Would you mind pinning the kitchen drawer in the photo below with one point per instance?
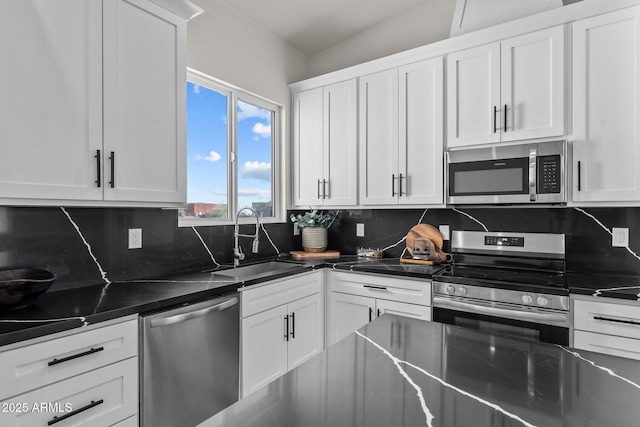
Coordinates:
(607, 344)
(110, 395)
(272, 294)
(607, 318)
(129, 422)
(32, 366)
(413, 291)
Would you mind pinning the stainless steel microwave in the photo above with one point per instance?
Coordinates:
(508, 174)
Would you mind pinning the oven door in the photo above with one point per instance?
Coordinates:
(503, 319)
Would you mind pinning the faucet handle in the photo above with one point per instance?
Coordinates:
(254, 248)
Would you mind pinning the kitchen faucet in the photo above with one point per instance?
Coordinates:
(238, 255)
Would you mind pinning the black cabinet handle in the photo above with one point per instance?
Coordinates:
(112, 157)
(98, 173)
(505, 117)
(318, 189)
(370, 314)
(293, 326)
(76, 412)
(379, 312)
(495, 119)
(286, 328)
(75, 356)
(626, 322)
(324, 188)
(376, 288)
(400, 185)
(579, 176)
(393, 185)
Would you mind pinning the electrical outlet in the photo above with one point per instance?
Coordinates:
(359, 230)
(296, 230)
(620, 237)
(444, 230)
(135, 238)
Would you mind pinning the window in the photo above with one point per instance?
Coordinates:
(232, 141)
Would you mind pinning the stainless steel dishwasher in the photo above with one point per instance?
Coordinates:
(189, 362)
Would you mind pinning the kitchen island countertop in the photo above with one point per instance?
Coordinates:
(404, 372)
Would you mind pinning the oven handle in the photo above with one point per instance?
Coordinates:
(440, 302)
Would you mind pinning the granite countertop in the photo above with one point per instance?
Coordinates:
(73, 308)
(605, 285)
(404, 372)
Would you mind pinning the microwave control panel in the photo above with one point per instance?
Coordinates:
(549, 173)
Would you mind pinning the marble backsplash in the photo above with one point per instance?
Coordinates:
(86, 246)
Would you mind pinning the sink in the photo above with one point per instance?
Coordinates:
(254, 271)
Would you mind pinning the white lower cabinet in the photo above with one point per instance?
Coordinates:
(607, 326)
(85, 378)
(282, 326)
(356, 299)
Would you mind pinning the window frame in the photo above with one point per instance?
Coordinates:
(235, 94)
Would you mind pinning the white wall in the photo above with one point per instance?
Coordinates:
(225, 45)
(425, 23)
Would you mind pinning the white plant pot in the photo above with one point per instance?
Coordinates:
(314, 239)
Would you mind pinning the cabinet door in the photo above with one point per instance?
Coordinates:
(379, 138)
(473, 96)
(264, 348)
(51, 102)
(308, 147)
(606, 101)
(144, 103)
(340, 144)
(348, 313)
(421, 132)
(306, 329)
(403, 309)
(532, 91)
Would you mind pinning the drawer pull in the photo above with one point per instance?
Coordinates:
(76, 412)
(607, 319)
(376, 288)
(75, 356)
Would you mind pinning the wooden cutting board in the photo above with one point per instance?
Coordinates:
(312, 255)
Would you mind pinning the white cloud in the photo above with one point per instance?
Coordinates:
(196, 89)
(212, 157)
(262, 130)
(257, 170)
(246, 111)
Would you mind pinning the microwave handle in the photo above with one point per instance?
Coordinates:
(533, 157)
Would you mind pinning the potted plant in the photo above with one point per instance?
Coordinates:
(314, 227)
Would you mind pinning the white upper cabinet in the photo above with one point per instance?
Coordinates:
(421, 127)
(379, 138)
(606, 102)
(144, 102)
(51, 103)
(507, 91)
(93, 105)
(401, 135)
(325, 145)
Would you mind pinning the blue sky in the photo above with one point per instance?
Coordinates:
(207, 158)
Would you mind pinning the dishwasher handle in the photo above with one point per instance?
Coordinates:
(155, 323)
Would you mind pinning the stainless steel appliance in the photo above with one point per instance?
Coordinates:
(190, 362)
(508, 174)
(506, 283)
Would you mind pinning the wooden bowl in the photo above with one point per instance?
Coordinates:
(22, 286)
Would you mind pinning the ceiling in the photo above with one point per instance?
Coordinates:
(315, 25)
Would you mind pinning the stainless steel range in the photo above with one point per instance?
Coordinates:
(506, 283)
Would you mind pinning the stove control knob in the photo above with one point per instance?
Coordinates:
(527, 299)
(450, 290)
(542, 301)
(462, 290)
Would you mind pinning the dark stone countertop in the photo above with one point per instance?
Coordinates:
(605, 285)
(74, 308)
(404, 372)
